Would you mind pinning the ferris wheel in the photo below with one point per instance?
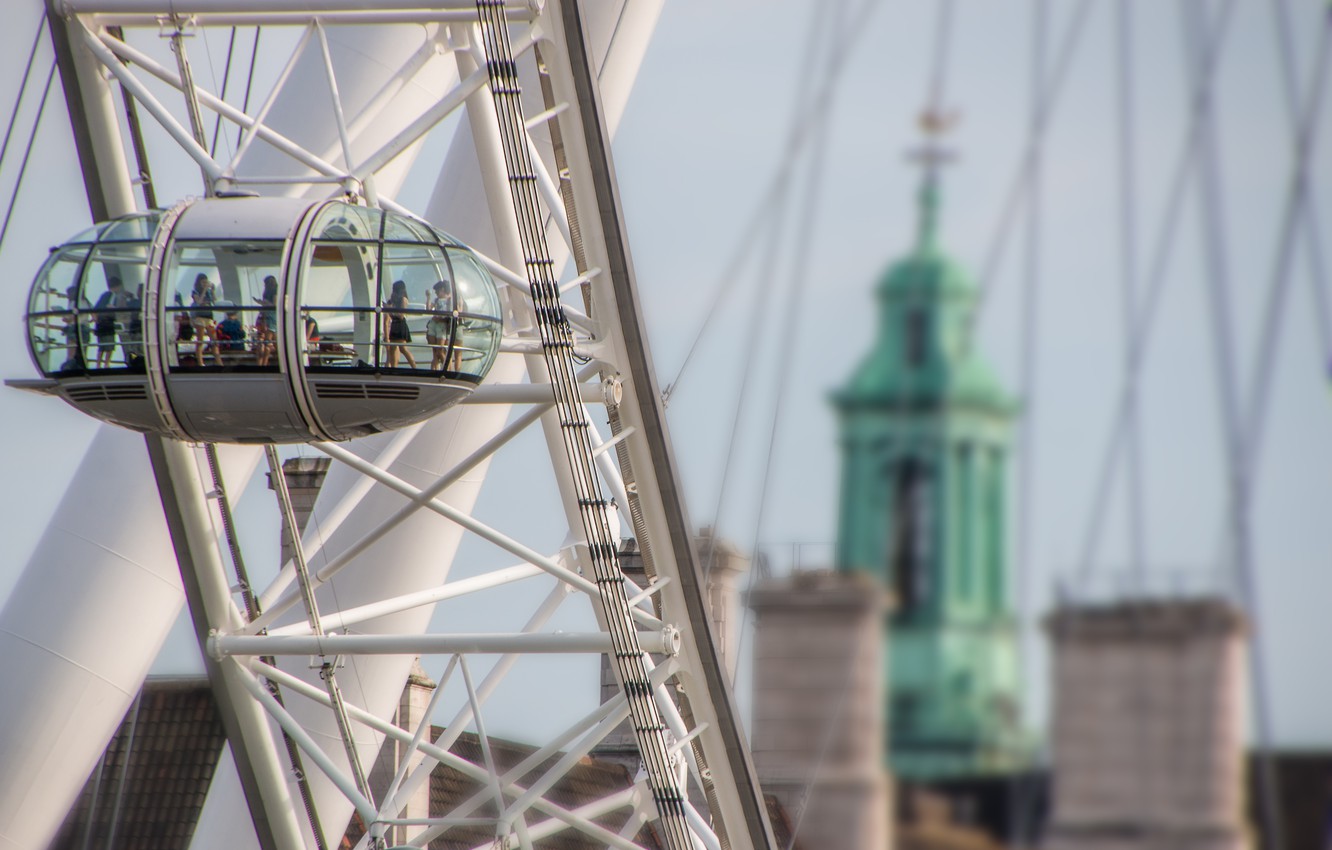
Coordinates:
(290, 305)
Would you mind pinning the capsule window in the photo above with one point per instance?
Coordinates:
(407, 290)
(57, 326)
(346, 223)
(223, 307)
(139, 228)
(338, 304)
(479, 316)
(402, 229)
(113, 283)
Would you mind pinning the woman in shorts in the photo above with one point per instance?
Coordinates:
(396, 332)
(265, 327)
(202, 297)
(440, 326)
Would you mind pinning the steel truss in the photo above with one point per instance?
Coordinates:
(563, 138)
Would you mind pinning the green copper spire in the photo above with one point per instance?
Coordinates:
(927, 230)
(925, 431)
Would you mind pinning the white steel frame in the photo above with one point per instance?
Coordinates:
(668, 613)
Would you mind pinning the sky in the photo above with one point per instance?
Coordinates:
(701, 140)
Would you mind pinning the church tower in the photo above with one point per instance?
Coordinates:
(924, 433)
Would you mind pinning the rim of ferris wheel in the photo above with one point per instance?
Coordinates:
(249, 319)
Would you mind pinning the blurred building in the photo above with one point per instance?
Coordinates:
(925, 430)
(818, 723)
(1148, 731)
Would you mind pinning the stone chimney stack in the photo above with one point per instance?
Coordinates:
(411, 711)
(818, 722)
(728, 568)
(305, 476)
(1148, 726)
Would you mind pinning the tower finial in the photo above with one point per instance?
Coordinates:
(934, 124)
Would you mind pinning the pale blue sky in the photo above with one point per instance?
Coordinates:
(699, 140)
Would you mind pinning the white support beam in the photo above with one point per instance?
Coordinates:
(274, 606)
(557, 771)
(414, 131)
(451, 733)
(354, 616)
(339, 118)
(411, 756)
(315, 536)
(620, 708)
(507, 276)
(586, 277)
(247, 138)
(480, 529)
(209, 101)
(664, 641)
(155, 107)
(492, 776)
(582, 819)
(308, 746)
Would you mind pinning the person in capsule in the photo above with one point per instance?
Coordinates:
(396, 331)
(203, 297)
(440, 326)
(74, 329)
(265, 327)
(104, 326)
(131, 338)
(230, 331)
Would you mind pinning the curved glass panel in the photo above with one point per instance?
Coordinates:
(446, 239)
(58, 327)
(346, 222)
(407, 289)
(88, 234)
(476, 288)
(56, 286)
(400, 228)
(138, 228)
(221, 309)
(477, 346)
(338, 305)
(479, 328)
(113, 281)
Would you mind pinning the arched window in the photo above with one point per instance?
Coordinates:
(910, 529)
(916, 336)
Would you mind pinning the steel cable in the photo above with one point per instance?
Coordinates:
(1158, 276)
(27, 153)
(1048, 99)
(1298, 209)
(222, 95)
(1128, 253)
(1220, 301)
(22, 89)
(1022, 803)
(1286, 53)
(770, 202)
(776, 220)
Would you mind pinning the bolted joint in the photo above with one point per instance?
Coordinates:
(612, 390)
(671, 639)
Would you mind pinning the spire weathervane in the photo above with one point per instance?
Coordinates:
(934, 123)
